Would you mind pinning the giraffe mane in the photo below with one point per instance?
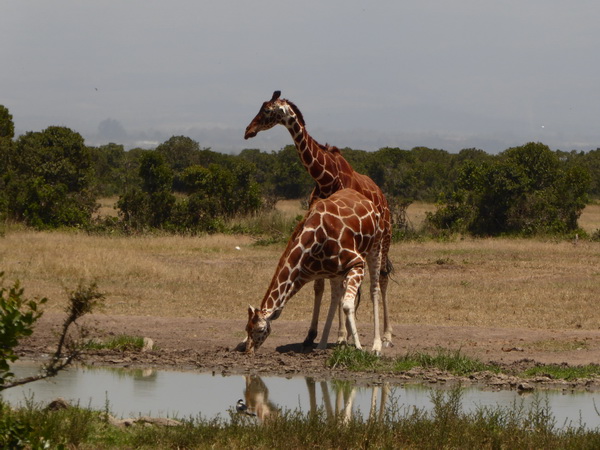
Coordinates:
(326, 147)
(297, 112)
(331, 148)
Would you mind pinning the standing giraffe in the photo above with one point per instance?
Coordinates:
(331, 172)
(337, 239)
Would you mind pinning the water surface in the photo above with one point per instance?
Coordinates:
(164, 393)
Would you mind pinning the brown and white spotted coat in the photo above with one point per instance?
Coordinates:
(339, 238)
(331, 172)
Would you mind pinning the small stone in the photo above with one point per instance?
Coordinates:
(524, 387)
(148, 344)
(58, 404)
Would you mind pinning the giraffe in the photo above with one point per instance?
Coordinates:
(337, 239)
(331, 172)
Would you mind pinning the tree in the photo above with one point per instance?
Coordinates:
(48, 179)
(7, 132)
(526, 190)
(153, 204)
(289, 175)
(7, 127)
(215, 193)
(108, 162)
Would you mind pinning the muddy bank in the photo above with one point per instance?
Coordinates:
(208, 345)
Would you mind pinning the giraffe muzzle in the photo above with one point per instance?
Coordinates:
(249, 134)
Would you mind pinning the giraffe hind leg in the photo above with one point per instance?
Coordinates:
(383, 285)
(319, 288)
(374, 263)
(337, 290)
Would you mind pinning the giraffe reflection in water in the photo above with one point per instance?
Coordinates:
(337, 399)
(345, 394)
(256, 395)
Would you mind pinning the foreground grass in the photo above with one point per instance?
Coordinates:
(445, 426)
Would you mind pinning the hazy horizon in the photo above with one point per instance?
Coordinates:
(449, 75)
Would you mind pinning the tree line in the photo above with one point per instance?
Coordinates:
(51, 178)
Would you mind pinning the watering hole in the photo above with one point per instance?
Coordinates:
(162, 393)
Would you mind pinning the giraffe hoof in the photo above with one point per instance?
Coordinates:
(387, 344)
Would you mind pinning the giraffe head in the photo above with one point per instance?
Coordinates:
(275, 111)
(258, 328)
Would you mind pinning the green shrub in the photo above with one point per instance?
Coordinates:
(526, 190)
(47, 179)
(17, 317)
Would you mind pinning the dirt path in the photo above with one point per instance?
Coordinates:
(207, 345)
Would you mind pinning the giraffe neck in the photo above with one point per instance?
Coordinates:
(288, 277)
(319, 162)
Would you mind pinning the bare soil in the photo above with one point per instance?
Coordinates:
(209, 345)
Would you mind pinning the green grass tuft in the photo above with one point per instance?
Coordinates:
(452, 361)
(120, 342)
(351, 358)
(563, 372)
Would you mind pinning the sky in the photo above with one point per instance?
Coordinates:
(447, 74)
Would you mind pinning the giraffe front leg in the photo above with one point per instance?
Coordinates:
(353, 280)
(319, 288)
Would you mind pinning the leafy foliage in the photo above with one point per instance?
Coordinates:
(7, 126)
(51, 179)
(17, 317)
(526, 190)
(48, 178)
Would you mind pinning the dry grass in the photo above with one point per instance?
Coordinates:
(107, 207)
(590, 218)
(486, 282)
(290, 208)
(416, 213)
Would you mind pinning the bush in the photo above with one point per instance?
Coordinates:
(527, 190)
(17, 317)
(48, 179)
(212, 194)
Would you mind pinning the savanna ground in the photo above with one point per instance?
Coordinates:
(515, 302)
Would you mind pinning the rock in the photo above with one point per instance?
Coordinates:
(148, 344)
(58, 404)
(144, 420)
(524, 387)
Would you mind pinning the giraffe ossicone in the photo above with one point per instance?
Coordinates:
(339, 239)
(331, 172)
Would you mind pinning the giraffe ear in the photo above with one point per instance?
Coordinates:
(276, 95)
(251, 310)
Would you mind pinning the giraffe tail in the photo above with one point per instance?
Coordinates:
(388, 268)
